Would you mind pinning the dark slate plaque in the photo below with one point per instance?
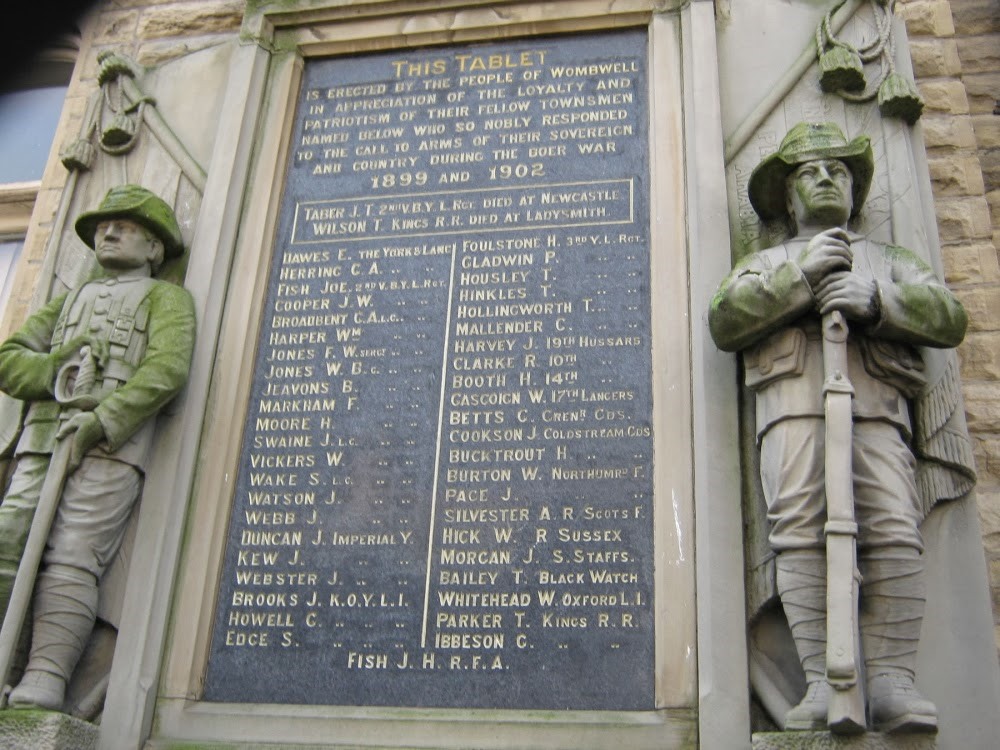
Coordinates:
(445, 490)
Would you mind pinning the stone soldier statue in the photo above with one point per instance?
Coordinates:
(97, 364)
(770, 309)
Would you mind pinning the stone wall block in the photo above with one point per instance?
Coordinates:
(945, 96)
(987, 130)
(963, 219)
(946, 131)
(979, 54)
(158, 52)
(113, 27)
(993, 198)
(926, 17)
(975, 16)
(970, 264)
(962, 264)
(983, 92)
(991, 168)
(982, 407)
(994, 568)
(957, 174)
(981, 453)
(989, 515)
(979, 355)
(982, 303)
(194, 18)
(935, 57)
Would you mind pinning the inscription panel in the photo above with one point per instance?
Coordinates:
(445, 490)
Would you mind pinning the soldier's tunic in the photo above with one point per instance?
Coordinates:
(148, 326)
(766, 308)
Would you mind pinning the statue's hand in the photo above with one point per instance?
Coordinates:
(853, 295)
(84, 430)
(70, 350)
(827, 252)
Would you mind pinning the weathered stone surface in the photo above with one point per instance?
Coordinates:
(982, 406)
(987, 464)
(45, 730)
(930, 17)
(991, 168)
(825, 740)
(181, 19)
(987, 130)
(155, 53)
(980, 356)
(943, 95)
(979, 54)
(111, 28)
(962, 219)
(970, 264)
(989, 518)
(975, 16)
(957, 175)
(983, 91)
(993, 199)
(983, 305)
(948, 132)
(935, 57)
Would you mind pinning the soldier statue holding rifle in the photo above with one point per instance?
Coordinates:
(97, 365)
(830, 315)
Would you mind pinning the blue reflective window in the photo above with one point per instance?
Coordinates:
(9, 250)
(28, 122)
(30, 104)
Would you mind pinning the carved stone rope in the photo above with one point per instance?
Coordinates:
(842, 66)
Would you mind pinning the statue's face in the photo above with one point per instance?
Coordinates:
(819, 193)
(124, 244)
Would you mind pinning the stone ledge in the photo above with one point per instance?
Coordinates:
(26, 729)
(828, 741)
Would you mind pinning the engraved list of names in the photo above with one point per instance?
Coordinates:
(445, 492)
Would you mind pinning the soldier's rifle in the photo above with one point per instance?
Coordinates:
(846, 712)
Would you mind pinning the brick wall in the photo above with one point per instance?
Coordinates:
(956, 58)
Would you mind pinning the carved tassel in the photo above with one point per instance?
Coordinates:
(898, 97)
(77, 156)
(841, 70)
(119, 131)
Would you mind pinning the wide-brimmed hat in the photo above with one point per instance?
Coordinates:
(141, 206)
(809, 141)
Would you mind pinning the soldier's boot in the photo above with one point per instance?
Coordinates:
(801, 579)
(65, 610)
(891, 615)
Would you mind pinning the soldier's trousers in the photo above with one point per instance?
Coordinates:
(793, 476)
(89, 525)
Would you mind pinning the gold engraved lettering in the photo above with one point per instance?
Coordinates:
(527, 59)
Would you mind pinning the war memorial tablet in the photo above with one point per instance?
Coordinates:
(444, 496)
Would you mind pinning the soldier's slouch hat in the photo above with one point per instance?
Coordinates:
(809, 141)
(141, 206)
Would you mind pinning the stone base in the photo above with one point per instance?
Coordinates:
(829, 741)
(32, 729)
